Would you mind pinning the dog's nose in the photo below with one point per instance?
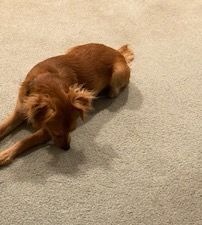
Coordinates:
(66, 147)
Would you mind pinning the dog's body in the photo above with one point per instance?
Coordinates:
(60, 89)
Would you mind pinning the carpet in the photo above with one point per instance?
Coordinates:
(137, 160)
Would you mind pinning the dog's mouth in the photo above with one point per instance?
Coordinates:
(61, 143)
(65, 147)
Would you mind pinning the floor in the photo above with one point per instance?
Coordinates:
(138, 158)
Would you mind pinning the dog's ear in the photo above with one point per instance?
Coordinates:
(39, 108)
(81, 99)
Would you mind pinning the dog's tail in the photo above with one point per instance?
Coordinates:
(127, 53)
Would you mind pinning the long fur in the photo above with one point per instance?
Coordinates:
(59, 90)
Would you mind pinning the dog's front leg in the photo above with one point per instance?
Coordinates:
(39, 137)
(14, 120)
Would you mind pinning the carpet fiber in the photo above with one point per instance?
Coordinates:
(138, 158)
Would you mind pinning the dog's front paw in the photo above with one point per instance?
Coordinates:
(5, 157)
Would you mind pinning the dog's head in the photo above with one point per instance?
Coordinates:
(59, 114)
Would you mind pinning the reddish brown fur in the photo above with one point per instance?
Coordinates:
(60, 89)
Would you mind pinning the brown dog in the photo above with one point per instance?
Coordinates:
(60, 89)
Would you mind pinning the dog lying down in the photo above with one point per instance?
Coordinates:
(59, 90)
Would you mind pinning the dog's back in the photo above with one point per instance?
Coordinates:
(90, 64)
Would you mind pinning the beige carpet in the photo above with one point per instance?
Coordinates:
(138, 159)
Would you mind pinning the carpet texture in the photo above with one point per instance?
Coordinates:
(138, 158)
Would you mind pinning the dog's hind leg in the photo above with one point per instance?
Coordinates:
(14, 120)
(120, 78)
(39, 137)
